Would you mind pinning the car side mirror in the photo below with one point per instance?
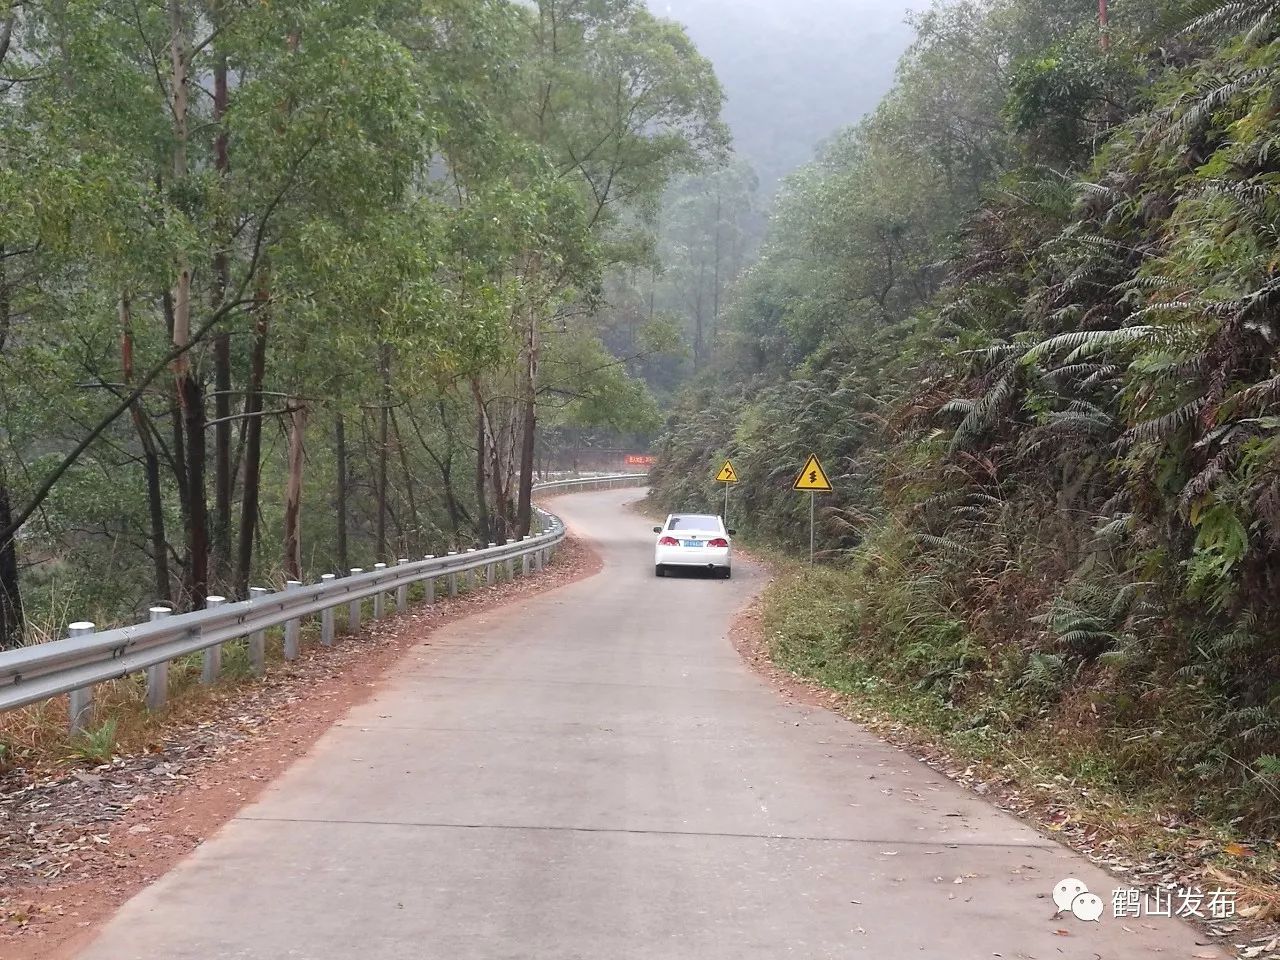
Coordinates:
(733, 532)
(657, 529)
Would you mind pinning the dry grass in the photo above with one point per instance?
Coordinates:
(37, 738)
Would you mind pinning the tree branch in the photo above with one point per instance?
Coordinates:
(56, 474)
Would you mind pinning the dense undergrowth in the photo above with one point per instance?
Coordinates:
(1038, 715)
(1030, 325)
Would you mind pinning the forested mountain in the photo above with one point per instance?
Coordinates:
(794, 75)
(795, 71)
(291, 287)
(1026, 313)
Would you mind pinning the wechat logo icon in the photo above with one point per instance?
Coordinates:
(1071, 894)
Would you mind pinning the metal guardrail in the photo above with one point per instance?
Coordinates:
(73, 665)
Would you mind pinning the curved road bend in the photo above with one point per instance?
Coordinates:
(595, 774)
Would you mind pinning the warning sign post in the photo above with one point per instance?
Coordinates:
(814, 480)
(728, 476)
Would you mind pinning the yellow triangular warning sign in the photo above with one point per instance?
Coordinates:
(812, 477)
(727, 474)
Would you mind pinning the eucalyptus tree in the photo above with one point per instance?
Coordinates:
(619, 102)
(154, 209)
(224, 223)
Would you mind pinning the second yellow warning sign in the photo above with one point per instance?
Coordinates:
(812, 477)
(727, 474)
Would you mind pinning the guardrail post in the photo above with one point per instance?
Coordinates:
(379, 598)
(511, 569)
(402, 591)
(453, 578)
(430, 583)
(258, 639)
(326, 615)
(212, 655)
(157, 673)
(353, 609)
(488, 570)
(292, 628)
(524, 561)
(81, 705)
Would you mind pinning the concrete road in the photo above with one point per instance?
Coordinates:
(596, 775)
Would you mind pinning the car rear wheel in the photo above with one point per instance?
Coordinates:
(659, 570)
(726, 573)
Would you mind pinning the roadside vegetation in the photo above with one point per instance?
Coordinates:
(1027, 315)
(287, 288)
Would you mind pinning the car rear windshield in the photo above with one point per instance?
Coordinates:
(694, 522)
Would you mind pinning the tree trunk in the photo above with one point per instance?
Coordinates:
(12, 625)
(179, 453)
(528, 447)
(293, 490)
(222, 462)
(155, 507)
(482, 494)
(501, 521)
(384, 416)
(187, 388)
(253, 445)
(340, 446)
(498, 517)
(191, 402)
(150, 461)
(415, 531)
(451, 504)
(222, 474)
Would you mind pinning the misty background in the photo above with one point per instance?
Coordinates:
(795, 71)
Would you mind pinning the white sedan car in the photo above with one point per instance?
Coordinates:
(694, 541)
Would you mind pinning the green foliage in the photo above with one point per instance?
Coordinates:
(1034, 336)
(394, 220)
(96, 745)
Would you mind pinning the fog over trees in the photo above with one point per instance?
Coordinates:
(795, 71)
(794, 76)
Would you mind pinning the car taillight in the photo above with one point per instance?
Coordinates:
(668, 542)
(718, 542)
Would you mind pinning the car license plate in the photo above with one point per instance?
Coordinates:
(691, 543)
